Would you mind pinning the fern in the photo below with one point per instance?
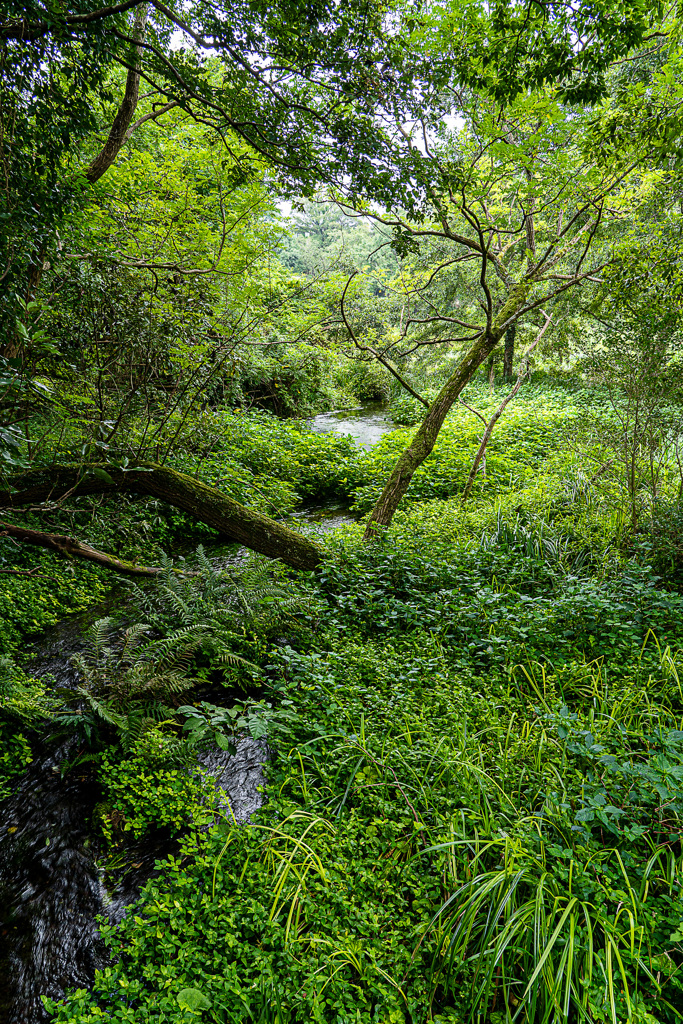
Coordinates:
(212, 596)
(102, 709)
(129, 678)
(127, 681)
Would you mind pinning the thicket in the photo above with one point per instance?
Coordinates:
(475, 728)
(473, 805)
(472, 714)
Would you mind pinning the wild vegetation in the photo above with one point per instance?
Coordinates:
(218, 223)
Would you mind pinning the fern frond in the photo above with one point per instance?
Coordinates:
(205, 566)
(101, 709)
(132, 638)
(166, 684)
(176, 601)
(99, 634)
(85, 758)
(170, 650)
(228, 657)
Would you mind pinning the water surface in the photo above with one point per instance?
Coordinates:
(365, 424)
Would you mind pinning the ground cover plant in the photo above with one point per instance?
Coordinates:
(458, 652)
(472, 813)
(474, 792)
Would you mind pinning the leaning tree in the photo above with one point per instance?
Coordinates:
(463, 118)
(519, 194)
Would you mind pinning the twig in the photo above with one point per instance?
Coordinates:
(31, 573)
(523, 371)
(380, 358)
(603, 469)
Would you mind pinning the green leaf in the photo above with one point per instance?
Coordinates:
(258, 727)
(101, 474)
(224, 743)
(193, 999)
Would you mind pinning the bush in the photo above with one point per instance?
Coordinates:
(468, 777)
(662, 540)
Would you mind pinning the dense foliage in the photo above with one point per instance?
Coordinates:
(474, 786)
(218, 223)
(473, 803)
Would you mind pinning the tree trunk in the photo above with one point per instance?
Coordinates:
(425, 438)
(100, 164)
(491, 373)
(73, 548)
(509, 353)
(119, 129)
(207, 504)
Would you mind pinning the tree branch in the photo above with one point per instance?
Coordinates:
(73, 548)
(26, 31)
(373, 352)
(152, 116)
(120, 128)
(207, 505)
(523, 370)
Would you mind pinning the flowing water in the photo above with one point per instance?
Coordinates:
(51, 886)
(365, 425)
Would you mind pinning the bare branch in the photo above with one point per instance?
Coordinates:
(73, 548)
(523, 371)
(377, 355)
(152, 116)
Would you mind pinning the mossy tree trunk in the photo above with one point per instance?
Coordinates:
(206, 504)
(425, 438)
(509, 353)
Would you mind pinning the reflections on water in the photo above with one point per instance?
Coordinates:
(50, 888)
(366, 424)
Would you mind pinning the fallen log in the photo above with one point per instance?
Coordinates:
(55, 484)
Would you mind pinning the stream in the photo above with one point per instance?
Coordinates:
(51, 886)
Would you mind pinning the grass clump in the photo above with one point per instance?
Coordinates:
(475, 790)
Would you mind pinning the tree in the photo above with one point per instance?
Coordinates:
(361, 102)
(324, 238)
(509, 191)
(49, 81)
(279, 77)
(207, 504)
(509, 353)
(513, 207)
(305, 86)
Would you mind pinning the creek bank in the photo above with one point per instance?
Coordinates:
(51, 885)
